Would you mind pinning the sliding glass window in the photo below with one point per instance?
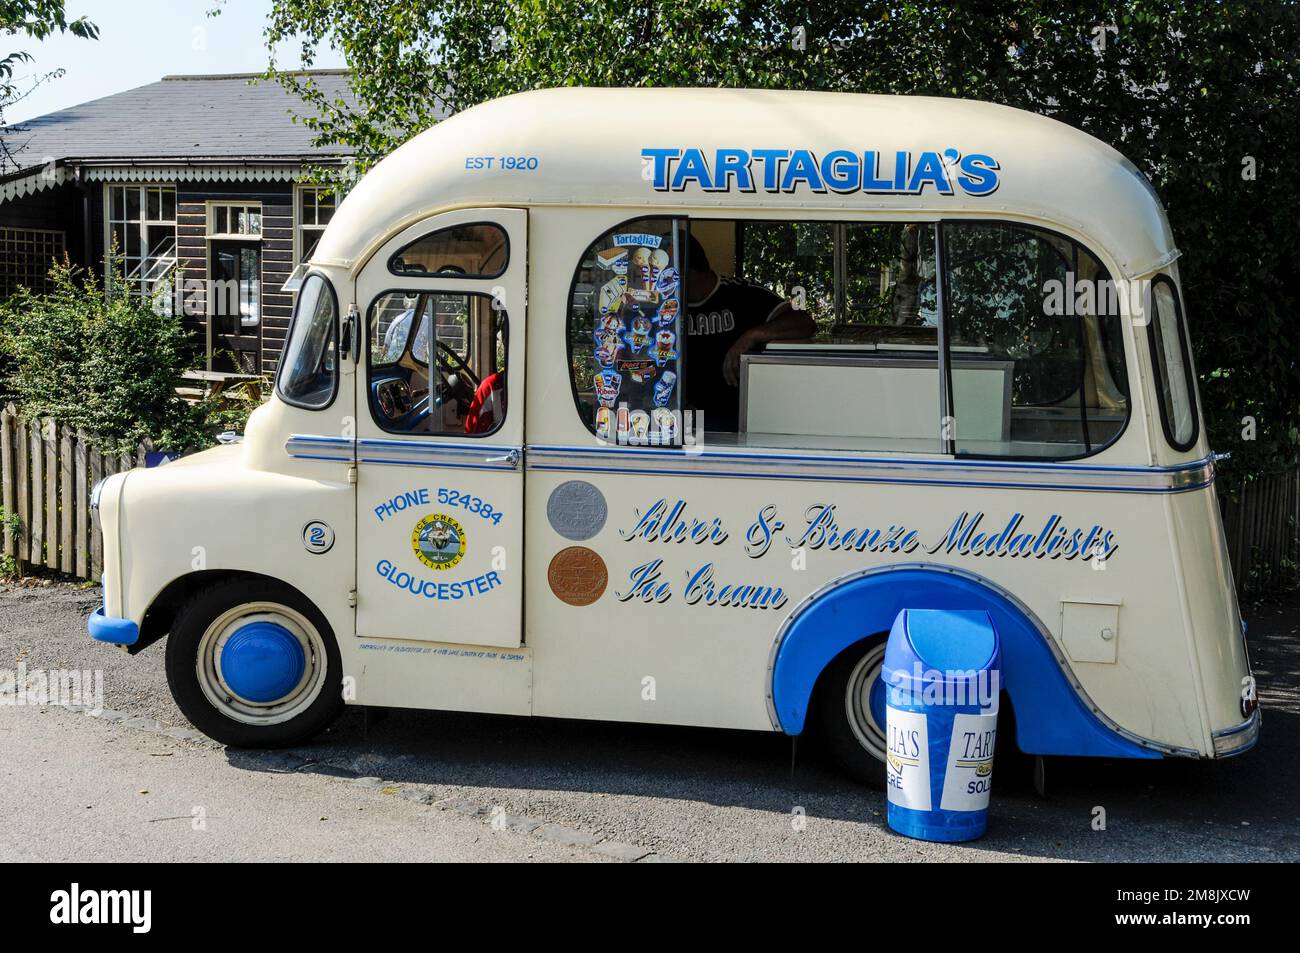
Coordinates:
(1035, 348)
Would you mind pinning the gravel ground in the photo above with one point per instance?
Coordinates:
(426, 784)
(87, 790)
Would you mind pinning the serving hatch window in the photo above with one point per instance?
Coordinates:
(714, 329)
(855, 277)
(834, 335)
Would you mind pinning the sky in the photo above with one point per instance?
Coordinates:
(140, 42)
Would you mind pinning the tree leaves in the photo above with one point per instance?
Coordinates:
(1187, 89)
(35, 19)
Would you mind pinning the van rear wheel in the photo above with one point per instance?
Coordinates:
(253, 664)
(850, 712)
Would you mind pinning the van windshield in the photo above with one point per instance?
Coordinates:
(309, 368)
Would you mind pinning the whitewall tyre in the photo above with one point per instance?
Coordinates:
(253, 664)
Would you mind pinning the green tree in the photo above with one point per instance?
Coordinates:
(34, 19)
(1202, 95)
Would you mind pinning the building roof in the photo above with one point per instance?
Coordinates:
(857, 154)
(187, 118)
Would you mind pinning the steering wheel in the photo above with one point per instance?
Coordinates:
(457, 365)
(462, 391)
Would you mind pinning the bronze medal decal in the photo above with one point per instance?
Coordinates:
(577, 576)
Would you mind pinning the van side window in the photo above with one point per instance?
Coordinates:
(437, 363)
(1044, 310)
(308, 374)
(856, 277)
(865, 376)
(1171, 359)
(813, 381)
(479, 250)
(624, 332)
(826, 336)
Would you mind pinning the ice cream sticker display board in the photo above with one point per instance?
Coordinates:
(633, 350)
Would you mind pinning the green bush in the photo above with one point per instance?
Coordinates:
(230, 411)
(102, 360)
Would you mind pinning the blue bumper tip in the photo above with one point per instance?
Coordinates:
(114, 631)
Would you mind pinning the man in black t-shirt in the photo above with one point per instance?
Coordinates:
(725, 318)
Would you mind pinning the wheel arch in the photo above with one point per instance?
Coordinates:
(1053, 714)
(164, 606)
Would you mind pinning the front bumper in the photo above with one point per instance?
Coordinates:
(114, 631)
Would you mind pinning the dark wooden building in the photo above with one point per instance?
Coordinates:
(199, 182)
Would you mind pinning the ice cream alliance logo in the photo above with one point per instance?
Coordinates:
(438, 541)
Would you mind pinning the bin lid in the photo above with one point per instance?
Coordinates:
(942, 641)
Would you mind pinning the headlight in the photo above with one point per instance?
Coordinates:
(95, 491)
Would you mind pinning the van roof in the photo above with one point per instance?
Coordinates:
(636, 148)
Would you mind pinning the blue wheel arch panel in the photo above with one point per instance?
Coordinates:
(1051, 717)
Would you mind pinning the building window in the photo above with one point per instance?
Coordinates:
(315, 209)
(234, 220)
(25, 258)
(142, 234)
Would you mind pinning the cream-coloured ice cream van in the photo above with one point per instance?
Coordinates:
(659, 405)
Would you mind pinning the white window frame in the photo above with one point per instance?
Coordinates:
(229, 206)
(136, 279)
(300, 225)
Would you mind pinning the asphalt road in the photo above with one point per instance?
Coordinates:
(137, 784)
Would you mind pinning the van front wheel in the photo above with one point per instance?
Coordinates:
(850, 712)
(253, 664)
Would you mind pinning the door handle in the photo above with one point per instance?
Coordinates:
(511, 458)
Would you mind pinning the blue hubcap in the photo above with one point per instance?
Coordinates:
(262, 662)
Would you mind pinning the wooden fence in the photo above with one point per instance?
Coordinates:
(1262, 526)
(46, 473)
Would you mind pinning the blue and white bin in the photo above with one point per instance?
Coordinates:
(942, 675)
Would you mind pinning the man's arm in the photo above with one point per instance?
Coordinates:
(785, 324)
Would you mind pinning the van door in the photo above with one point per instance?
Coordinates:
(440, 430)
